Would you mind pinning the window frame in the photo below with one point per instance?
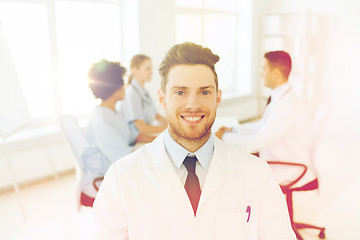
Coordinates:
(237, 13)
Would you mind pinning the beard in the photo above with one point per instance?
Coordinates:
(181, 131)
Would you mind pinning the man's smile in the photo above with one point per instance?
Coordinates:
(193, 119)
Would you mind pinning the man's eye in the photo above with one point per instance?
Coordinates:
(179, 93)
(205, 92)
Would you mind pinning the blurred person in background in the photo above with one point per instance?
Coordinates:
(109, 136)
(138, 106)
(283, 133)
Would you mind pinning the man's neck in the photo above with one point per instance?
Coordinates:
(279, 83)
(192, 145)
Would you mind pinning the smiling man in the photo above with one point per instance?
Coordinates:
(187, 184)
(190, 100)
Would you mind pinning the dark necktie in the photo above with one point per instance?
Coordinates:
(192, 185)
(268, 101)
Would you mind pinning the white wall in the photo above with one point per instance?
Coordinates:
(340, 42)
(157, 35)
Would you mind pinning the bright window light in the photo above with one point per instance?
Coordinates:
(54, 42)
(186, 34)
(226, 5)
(82, 41)
(189, 3)
(224, 27)
(225, 47)
(26, 31)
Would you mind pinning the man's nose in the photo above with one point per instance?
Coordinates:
(193, 102)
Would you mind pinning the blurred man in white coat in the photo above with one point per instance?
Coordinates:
(283, 133)
(187, 184)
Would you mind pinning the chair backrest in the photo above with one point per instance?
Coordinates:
(319, 123)
(73, 134)
(77, 142)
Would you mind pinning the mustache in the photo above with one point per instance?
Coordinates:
(200, 112)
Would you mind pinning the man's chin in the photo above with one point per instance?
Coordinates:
(192, 135)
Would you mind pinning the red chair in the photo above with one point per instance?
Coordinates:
(318, 124)
(288, 190)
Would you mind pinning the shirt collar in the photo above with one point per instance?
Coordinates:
(177, 153)
(280, 90)
(138, 88)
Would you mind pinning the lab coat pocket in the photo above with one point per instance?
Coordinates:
(232, 226)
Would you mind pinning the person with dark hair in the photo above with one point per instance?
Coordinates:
(138, 106)
(187, 184)
(108, 135)
(283, 133)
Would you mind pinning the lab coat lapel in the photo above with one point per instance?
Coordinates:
(160, 165)
(221, 166)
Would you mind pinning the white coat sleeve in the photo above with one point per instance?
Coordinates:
(110, 219)
(279, 124)
(274, 218)
(247, 128)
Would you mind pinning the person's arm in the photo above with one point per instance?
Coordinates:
(143, 138)
(145, 128)
(219, 133)
(161, 120)
(279, 124)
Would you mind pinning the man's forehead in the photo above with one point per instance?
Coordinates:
(184, 73)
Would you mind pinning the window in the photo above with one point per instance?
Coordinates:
(54, 42)
(224, 27)
(294, 32)
(81, 42)
(26, 31)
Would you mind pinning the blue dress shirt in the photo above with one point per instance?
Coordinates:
(177, 154)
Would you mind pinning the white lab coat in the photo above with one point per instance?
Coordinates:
(283, 134)
(142, 198)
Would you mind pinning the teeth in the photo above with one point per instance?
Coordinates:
(192, 119)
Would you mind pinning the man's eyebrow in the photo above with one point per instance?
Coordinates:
(210, 86)
(184, 88)
(178, 87)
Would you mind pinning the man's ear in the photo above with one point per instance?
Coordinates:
(277, 73)
(218, 97)
(161, 97)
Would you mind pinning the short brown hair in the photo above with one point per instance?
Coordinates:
(188, 54)
(280, 60)
(105, 78)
